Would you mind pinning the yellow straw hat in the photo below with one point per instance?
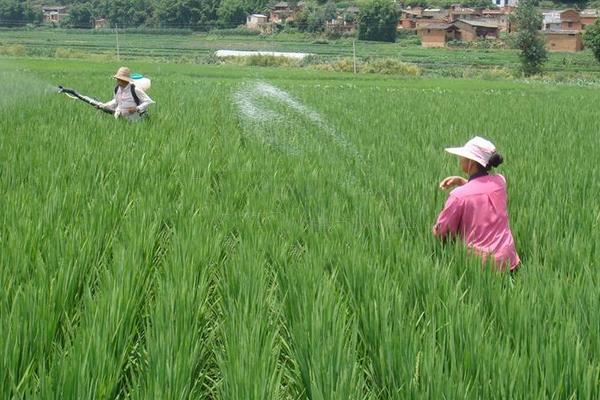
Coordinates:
(123, 74)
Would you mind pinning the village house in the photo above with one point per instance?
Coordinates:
(256, 21)
(433, 16)
(344, 22)
(570, 20)
(280, 13)
(101, 23)
(563, 29)
(505, 3)
(588, 17)
(565, 41)
(408, 18)
(459, 12)
(54, 14)
(283, 12)
(551, 21)
(472, 30)
(437, 34)
(340, 24)
(501, 17)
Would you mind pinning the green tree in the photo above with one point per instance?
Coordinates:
(591, 38)
(80, 16)
(197, 14)
(232, 13)
(18, 13)
(126, 13)
(377, 21)
(528, 22)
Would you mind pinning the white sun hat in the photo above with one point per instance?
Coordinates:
(477, 149)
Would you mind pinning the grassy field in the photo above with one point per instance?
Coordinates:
(196, 48)
(266, 235)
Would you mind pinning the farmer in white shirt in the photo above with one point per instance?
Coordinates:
(129, 101)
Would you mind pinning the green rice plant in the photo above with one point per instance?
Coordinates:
(192, 255)
(177, 334)
(248, 357)
(95, 361)
(322, 338)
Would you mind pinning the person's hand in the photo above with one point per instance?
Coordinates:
(452, 181)
(131, 110)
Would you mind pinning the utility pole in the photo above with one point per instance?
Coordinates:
(117, 33)
(354, 54)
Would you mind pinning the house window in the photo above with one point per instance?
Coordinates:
(570, 24)
(428, 30)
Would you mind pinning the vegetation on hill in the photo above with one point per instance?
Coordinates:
(592, 39)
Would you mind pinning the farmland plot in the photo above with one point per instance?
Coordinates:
(266, 234)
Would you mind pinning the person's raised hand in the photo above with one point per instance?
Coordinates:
(451, 181)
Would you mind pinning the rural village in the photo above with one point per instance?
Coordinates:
(562, 29)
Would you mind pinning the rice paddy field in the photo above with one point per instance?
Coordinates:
(266, 234)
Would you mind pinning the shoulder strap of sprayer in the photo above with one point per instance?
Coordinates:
(133, 93)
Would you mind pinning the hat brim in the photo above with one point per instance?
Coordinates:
(463, 152)
(123, 78)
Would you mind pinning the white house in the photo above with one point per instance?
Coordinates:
(505, 3)
(551, 20)
(255, 21)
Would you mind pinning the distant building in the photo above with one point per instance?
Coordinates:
(551, 20)
(437, 34)
(408, 18)
(472, 30)
(101, 23)
(433, 16)
(570, 20)
(256, 21)
(54, 14)
(505, 3)
(588, 17)
(282, 12)
(565, 41)
(340, 25)
(498, 16)
(459, 12)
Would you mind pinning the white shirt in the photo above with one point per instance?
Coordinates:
(123, 101)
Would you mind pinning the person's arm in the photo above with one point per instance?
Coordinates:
(145, 100)
(452, 181)
(448, 222)
(110, 105)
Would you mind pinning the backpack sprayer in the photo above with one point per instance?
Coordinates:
(138, 81)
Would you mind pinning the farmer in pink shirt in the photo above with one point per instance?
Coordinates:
(476, 210)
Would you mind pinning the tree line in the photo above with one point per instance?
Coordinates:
(378, 18)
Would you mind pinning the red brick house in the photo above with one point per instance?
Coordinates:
(588, 17)
(565, 41)
(472, 30)
(437, 34)
(570, 20)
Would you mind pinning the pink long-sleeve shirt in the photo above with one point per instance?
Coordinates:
(477, 212)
